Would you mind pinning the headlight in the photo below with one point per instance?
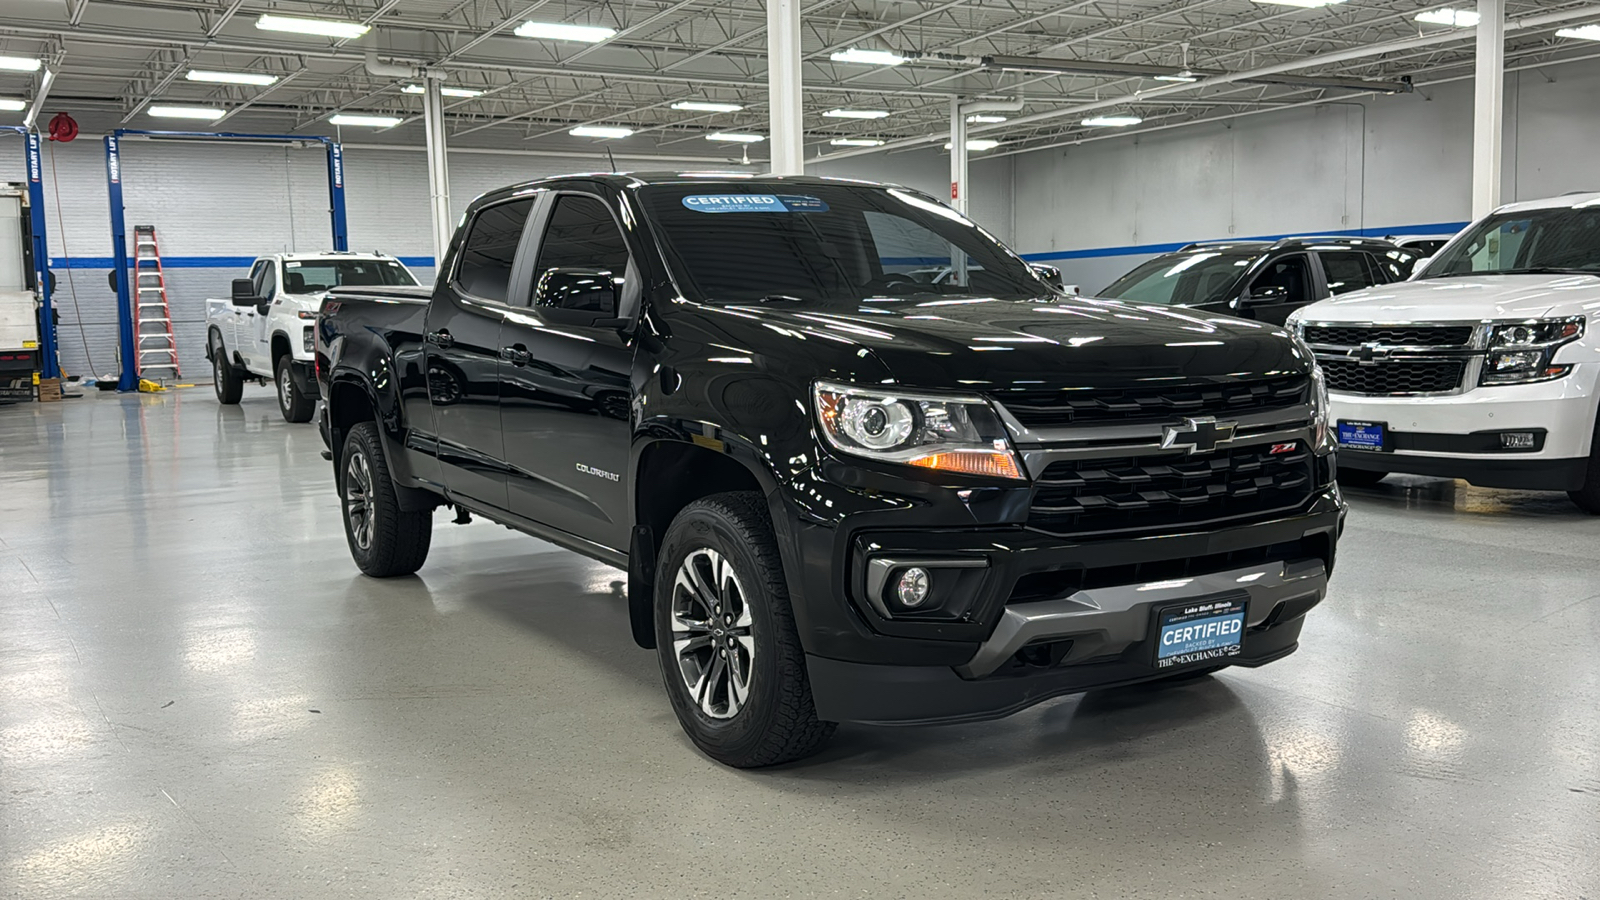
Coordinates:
(1296, 323)
(950, 434)
(1522, 352)
(1319, 411)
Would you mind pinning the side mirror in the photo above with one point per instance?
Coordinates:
(244, 292)
(578, 296)
(1049, 275)
(1262, 296)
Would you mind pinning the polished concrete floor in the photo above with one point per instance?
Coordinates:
(200, 697)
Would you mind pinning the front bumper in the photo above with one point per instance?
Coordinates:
(1456, 436)
(1025, 639)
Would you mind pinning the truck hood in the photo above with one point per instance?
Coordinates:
(981, 344)
(1465, 299)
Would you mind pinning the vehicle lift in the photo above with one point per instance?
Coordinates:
(128, 380)
(49, 364)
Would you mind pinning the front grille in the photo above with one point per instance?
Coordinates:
(1394, 377)
(1169, 490)
(1152, 403)
(1053, 584)
(1390, 335)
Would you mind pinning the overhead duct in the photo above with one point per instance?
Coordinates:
(1175, 73)
(390, 70)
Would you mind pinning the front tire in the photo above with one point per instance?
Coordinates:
(295, 406)
(224, 377)
(726, 639)
(1587, 497)
(385, 541)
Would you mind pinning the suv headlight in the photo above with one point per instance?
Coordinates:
(1322, 441)
(1296, 323)
(949, 434)
(1522, 352)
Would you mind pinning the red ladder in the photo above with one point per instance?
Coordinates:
(155, 346)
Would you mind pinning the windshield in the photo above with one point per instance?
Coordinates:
(1183, 279)
(312, 275)
(1537, 241)
(830, 243)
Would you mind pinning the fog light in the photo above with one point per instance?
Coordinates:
(912, 590)
(1516, 440)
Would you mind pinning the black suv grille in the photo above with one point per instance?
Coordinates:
(1159, 492)
(1390, 335)
(1153, 403)
(1431, 377)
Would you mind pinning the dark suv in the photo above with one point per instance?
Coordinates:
(1263, 280)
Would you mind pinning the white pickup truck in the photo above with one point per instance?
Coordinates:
(264, 330)
(1484, 366)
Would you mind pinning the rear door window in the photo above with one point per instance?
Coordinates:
(484, 270)
(1347, 270)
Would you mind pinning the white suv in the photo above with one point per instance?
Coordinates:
(264, 330)
(1483, 366)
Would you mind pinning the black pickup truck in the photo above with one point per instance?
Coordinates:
(840, 492)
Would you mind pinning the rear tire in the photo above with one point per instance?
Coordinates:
(295, 406)
(726, 639)
(385, 541)
(1360, 477)
(225, 378)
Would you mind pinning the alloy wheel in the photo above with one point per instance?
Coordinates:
(711, 633)
(358, 499)
(285, 386)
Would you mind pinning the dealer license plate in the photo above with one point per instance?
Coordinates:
(1200, 631)
(1362, 435)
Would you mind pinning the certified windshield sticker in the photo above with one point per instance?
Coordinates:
(767, 203)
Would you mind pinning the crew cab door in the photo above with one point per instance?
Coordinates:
(233, 328)
(565, 364)
(462, 352)
(255, 339)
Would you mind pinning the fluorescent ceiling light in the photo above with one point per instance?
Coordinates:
(736, 138)
(19, 63)
(255, 78)
(1185, 79)
(601, 131)
(856, 142)
(187, 112)
(706, 106)
(1460, 18)
(1303, 4)
(986, 120)
(562, 31)
(446, 91)
(9, 105)
(868, 57)
(856, 113)
(1112, 121)
(978, 144)
(1587, 33)
(321, 27)
(365, 121)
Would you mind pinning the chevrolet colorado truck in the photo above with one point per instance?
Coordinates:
(1484, 366)
(840, 493)
(263, 330)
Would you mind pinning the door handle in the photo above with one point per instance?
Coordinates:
(517, 356)
(440, 338)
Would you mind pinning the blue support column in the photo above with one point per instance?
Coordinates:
(129, 379)
(49, 363)
(341, 231)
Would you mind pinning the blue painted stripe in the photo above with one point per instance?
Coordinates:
(194, 262)
(1154, 249)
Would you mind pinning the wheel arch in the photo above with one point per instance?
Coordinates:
(668, 475)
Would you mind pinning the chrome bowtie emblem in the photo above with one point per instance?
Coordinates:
(1201, 435)
(1369, 354)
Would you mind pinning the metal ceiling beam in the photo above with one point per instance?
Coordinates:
(1141, 70)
